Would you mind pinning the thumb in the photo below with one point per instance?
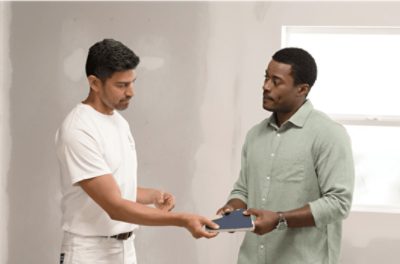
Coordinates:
(210, 223)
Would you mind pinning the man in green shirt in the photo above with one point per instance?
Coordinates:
(297, 172)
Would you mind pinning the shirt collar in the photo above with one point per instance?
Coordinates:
(299, 118)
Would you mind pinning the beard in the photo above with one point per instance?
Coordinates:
(122, 105)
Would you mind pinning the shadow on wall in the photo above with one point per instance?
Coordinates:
(378, 250)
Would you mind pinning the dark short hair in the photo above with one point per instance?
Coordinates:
(304, 68)
(109, 56)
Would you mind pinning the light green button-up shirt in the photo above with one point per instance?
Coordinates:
(308, 160)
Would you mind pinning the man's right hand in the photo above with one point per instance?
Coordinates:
(226, 209)
(232, 205)
(195, 225)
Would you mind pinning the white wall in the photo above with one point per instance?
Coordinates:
(198, 92)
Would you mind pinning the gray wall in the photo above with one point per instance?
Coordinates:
(4, 125)
(198, 92)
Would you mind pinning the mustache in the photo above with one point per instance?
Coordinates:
(265, 96)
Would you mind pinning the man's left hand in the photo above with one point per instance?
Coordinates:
(164, 201)
(265, 222)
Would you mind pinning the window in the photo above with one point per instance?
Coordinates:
(358, 85)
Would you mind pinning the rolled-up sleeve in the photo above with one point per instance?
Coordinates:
(335, 172)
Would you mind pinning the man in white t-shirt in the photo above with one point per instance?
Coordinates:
(101, 202)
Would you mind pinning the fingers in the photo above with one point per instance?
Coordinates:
(206, 234)
(209, 234)
(165, 201)
(265, 221)
(195, 226)
(225, 210)
(209, 223)
(169, 201)
(220, 211)
(252, 211)
(161, 198)
(199, 233)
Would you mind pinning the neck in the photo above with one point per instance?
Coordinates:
(95, 102)
(282, 117)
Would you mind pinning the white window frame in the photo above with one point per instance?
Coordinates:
(351, 119)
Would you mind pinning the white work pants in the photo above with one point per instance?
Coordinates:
(77, 249)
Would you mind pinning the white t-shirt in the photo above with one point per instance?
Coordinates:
(91, 144)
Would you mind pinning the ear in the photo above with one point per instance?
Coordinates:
(94, 83)
(303, 89)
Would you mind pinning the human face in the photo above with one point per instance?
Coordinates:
(280, 95)
(116, 91)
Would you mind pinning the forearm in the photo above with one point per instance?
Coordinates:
(146, 195)
(266, 221)
(137, 213)
(301, 217)
(105, 192)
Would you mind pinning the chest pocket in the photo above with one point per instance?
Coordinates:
(288, 168)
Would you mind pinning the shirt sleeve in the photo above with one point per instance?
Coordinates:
(240, 188)
(80, 155)
(335, 172)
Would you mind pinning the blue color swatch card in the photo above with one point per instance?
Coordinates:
(233, 222)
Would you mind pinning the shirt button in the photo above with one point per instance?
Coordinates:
(272, 154)
(268, 178)
(278, 135)
(262, 246)
(263, 199)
